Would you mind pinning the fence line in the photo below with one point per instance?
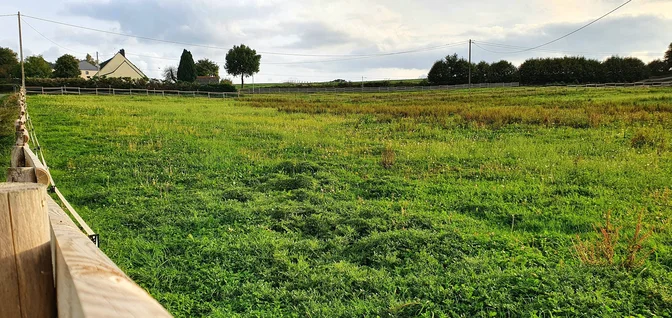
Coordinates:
(637, 84)
(64, 90)
(270, 90)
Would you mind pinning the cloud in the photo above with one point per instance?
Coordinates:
(311, 35)
(339, 28)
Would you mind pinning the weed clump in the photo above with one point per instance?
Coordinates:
(647, 137)
(237, 194)
(289, 167)
(284, 183)
(387, 157)
(606, 250)
(600, 252)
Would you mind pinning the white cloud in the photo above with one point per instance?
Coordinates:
(339, 27)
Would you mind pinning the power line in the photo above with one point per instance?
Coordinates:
(368, 57)
(325, 61)
(223, 48)
(48, 39)
(507, 46)
(8, 15)
(577, 30)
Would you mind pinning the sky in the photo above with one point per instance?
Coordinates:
(339, 36)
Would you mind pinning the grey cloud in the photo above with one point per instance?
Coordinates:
(630, 33)
(315, 35)
(181, 21)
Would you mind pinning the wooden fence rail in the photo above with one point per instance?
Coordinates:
(48, 267)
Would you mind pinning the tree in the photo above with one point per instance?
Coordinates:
(480, 73)
(206, 67)
(90, 59)
(451, 70)
(66, 66)
(502, 72)
(668, 57)
(9, 63)
(170, 74)
(658, 68)
(242, 61)
(438, 74)
(186, 71)
(37, 66)
(620, 70)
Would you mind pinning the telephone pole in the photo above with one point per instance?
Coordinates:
(469, 63)
(23, 73)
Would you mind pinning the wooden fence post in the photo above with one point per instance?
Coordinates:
(26, 274)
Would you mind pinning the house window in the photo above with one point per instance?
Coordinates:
(87, 72)
(88, 77)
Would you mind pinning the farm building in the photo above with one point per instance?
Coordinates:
(120, 66)
(207, 79)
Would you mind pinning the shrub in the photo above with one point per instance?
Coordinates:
(126, 83)
(9, 111)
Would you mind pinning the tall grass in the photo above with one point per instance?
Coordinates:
(286, 208)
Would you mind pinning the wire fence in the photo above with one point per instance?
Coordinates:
(271, 90)
(64, 90)
(638, 84)
(307, 90)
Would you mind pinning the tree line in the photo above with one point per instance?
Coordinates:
(453, 70)
(241, 61)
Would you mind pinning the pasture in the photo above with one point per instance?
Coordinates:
(432, 204)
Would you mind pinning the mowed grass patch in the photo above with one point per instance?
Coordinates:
(222, 209)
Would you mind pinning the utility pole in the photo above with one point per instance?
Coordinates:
(23, 73)
(469, 63)
(97, 63)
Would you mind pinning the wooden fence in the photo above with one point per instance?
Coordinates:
(124, 91)
(48, 267)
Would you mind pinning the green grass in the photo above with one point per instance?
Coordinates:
(279, 205)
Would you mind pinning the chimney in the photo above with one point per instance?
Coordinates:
(123, 52)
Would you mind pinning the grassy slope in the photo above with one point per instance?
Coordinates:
(222, 209)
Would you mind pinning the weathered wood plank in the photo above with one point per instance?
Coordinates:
(21, 175)
(88, 283)
(27, 210)
(9, 281)
(18, 158)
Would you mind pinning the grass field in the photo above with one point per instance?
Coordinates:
(427, 204)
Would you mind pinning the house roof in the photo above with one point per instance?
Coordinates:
(121, 52)
(86, 66)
